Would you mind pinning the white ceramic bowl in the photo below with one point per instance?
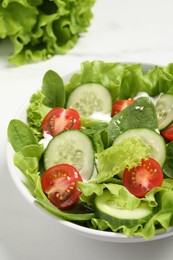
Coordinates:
(17, 177)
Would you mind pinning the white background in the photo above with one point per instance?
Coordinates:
(122, 30)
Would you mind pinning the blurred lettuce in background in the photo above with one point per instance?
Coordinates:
(39, 29)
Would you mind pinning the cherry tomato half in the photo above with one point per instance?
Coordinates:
(141, 179)
(59, 183)
(168, 133)
(59, 119)
(120, 105)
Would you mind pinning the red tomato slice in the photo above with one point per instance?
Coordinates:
(60, 119)
(168, 133)
(120, 105)
(143, 178)
(59, 183)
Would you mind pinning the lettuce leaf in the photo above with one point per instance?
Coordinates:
(123, 197)
(122, 80)
(160, 198)
(40, 29)
(115, 159)
(36, 112)
(161, 80)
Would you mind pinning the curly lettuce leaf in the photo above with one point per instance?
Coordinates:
(160, 198)
(115, 159)
(40, 29)
(36, 112)
(28, 161)
(123, 197)
(161, 80)
(122, 80)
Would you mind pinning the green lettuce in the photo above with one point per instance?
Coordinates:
(124, 80)
(160, 80)
(116, 158)
(36, 112)
(40, 29)
(159, 198)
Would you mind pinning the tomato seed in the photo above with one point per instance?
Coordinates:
(57, 195)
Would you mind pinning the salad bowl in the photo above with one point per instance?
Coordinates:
(103, 235)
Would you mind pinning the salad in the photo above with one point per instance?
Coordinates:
(98, 150)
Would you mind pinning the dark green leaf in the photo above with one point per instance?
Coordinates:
(53, 89)
(168, 165)
(140, 114)
(20, 135)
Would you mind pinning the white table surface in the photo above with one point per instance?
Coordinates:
(122, 30)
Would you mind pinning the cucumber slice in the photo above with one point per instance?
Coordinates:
(164, 110)
(150, 138)
(72, 147)
(107, 208)
(89, 98)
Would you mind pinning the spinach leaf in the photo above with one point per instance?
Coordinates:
(140, 114)
(168, 165)
(20, 135)
(53, 89)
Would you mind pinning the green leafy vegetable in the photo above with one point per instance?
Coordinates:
(20, 135)
(123, 197)
(122, 80)
(160, 80)
(27, 164)
(141, 113)
(40, 29)
(36, 112)
(160, 198)
(168, 165)
(53, 90)
(115, 159)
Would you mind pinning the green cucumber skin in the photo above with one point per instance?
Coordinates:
(118, 221)
(122, 222)
(65, 137)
